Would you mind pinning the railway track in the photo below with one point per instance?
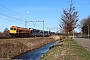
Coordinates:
(5, 37)
(14, 37)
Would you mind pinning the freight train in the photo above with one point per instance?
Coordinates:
(16, 31)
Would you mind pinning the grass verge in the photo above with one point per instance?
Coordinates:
(69, 51)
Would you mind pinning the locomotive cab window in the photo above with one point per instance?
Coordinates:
(14, 28)
(11, 28)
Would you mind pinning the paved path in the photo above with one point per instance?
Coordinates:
(85, 42)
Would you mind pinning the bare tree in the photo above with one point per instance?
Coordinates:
(6, 33)
(69, 19)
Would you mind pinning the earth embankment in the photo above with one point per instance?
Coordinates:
(10, 48)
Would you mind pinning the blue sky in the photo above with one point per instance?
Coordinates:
(16, 12)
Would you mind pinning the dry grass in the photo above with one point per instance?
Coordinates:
(12, 47)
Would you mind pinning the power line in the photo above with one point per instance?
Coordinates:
(10, 20)
(5, 8)
(8, 14)
(9, 9)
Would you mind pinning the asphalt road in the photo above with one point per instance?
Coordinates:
(85, 42)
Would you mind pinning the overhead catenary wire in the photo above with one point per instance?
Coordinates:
(9, 10)
(8, 13)
(10, 20)
(12, 16)
(24, 18)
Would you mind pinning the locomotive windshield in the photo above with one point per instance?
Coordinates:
(12, 28)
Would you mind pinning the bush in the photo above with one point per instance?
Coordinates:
(5, 33)
(1, 34)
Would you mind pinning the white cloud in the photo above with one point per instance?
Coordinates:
(28, 12)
